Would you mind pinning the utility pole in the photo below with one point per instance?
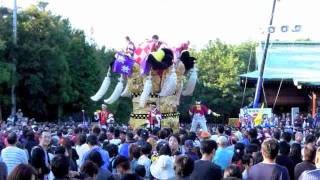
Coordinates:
(260, 78)
(14, 61)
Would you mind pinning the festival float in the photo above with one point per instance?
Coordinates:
(156, 74)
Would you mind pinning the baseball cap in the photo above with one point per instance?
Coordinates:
(205, 134)
(144, 134)
(189, 144)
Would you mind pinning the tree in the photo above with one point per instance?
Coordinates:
(57, 70)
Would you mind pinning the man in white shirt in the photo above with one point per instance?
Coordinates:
(82, 148)
(116, 140)
(144, 159)
(11, 155)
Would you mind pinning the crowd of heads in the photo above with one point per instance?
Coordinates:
(120, 152)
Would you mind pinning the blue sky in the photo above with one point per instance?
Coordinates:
(175, 21)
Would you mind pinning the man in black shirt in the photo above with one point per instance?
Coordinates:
(309, 154)
(283, 158)
(205, 168)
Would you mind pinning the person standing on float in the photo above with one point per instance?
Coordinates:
(105, 116)
(198, 113)
(154, 116)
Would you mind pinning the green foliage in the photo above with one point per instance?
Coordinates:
(57, 70)
(4, 67)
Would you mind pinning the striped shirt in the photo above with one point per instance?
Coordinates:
(13, 156)
(310, 175)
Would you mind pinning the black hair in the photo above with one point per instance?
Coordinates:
(251, 148)
(116, 133)
(140, 170)
(284, 148)
(12, 138)
(111, 129)
(102, 137)
(76, 130)
(92, 140)
(246, 159)
(238, 152)
(30, 135)
(310, 139)
(89, 168)
(82, 139)
(192, 136)
(95, 157)
(60, 166)
(146, 148)
(121, 161)
(257, 158)
(184, 166)
(207, 146)
(253, 133)
(60, 150)
(130, 135)
(221, 129)
(134, 151)
(96, 130)
(112, 150)
(162, 134)
(286, 136)
(165, 150)
(277, 134)
(139, 132)
(155, 37)
(130, 176)
(105, 144)
(295, 151)
(155, 130)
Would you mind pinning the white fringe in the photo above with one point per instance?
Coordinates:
(170, 84)
(116, 93)
(191, 84)
(103, 88)
(126, 92)
(147, 88)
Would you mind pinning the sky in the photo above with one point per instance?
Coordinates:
(107, 22)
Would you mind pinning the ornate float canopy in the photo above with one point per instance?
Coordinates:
(155, 74)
